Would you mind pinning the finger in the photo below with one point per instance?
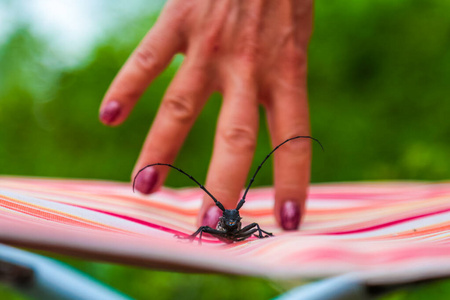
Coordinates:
(288, 116)
(180, 107)
(151, 57)
(234, 147)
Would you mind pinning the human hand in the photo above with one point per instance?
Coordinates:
(253, 52)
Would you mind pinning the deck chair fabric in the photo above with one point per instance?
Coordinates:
(383, 232)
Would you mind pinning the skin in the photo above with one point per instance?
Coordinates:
(254, 53)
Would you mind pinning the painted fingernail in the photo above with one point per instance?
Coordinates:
(110, 112)
(290, 215)
(211, 217)
(146, 180)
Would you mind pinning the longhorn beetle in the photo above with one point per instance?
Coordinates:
(229, 228)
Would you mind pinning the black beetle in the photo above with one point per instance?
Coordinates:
(229, 228)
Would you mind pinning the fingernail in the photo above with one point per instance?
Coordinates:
(211, 217)
(146, 180)
(290, 215)
(110, 112)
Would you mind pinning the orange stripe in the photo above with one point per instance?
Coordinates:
(52, 215)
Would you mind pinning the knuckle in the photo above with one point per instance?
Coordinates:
(248, 45)
(294, 57)
(212, 42)
(292, 52)
(293, 65)
(146, 59)
(248, 55)
(240, 138)
(297, 146)
(179, 108)
(249, 50)
(210, 45)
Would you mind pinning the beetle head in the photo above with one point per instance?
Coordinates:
(231, 218)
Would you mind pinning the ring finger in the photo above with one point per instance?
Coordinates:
(287, 116)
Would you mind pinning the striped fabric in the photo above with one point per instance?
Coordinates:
(383, 232)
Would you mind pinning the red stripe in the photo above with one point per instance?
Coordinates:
(142, 222)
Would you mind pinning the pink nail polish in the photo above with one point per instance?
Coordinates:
(290, 215)
(146, 180)
(211, 217)
(110, 112)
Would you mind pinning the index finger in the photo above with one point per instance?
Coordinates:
(149, 59)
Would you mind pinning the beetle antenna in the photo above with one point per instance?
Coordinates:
(242, 201)
(219, 205)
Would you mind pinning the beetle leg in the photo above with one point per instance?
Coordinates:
(241, 238)
(189, 237)
(246, 232)
(200, 237)
(242, 235)
(214, 232)
(201, 230)
(260, 231)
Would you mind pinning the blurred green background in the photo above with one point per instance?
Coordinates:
(379, 77)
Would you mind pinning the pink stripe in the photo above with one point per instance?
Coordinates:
(375, 227)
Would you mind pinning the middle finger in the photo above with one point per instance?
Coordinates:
(234, 147)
